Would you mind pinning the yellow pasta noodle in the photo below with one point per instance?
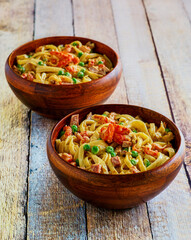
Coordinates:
(114, 143)
(71, 63)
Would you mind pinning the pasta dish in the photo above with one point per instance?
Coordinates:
(114, 143)
(64, 64)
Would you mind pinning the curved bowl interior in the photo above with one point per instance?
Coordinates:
(56, 101)
(117, 191)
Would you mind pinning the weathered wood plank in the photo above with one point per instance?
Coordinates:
(171, 33)
(54, 213)
(142, 75)
(95, 20)
(15, 21)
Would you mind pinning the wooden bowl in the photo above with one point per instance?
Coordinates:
(117, 191)
(55, 101)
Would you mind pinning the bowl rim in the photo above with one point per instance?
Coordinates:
(59, 160)
(67, 84)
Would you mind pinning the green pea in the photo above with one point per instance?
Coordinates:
(100, 62)
(133, 161)
(99, 139)
(134, 154)
(40, 63)
(109, 149)
(86, 147)
(82, 70)
(80, 54)
(80, 74)
(167, 130)
(121, 123)
(62, 133)
(74, 80)
(77, 162)
(74, 44)
(81, 64)
(95, 149)
(135, 131)
(126, 149)
(74, 128)
(67, 74)
(21, 68)
(147, 162)
(61, 72)
(113, 154)
(29, 56)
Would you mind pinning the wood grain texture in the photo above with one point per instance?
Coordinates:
(96, 20)
(116, 191)
(56, 101)
(146, 88)
(15, 18)
(173, 50)
(53, 212)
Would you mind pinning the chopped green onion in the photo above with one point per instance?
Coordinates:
(74, 80)
(74, 128)
(81, 64)
(147, 162)
(135, 131)
(134, 154)
(104, 115)
(100, 62)
(77, 162)
(80, 54)
(86, 147)
(95, 149)
(133, 161)
(121, 123)
(61, 72)
(109, 149)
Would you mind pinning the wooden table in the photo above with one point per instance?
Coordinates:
(153, 38)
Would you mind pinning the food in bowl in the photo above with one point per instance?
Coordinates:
(71, 63)
(114, 143)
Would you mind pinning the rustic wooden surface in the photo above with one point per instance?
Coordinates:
(153, 39)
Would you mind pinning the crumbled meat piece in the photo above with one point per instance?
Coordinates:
(118, 150)
(66, 156)
(85, 49)
(90, 45)
(74, 120)
(89, 116)
(93, 69)
(134, 170)
(126, 144)
(116, 161)
(96, 168)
